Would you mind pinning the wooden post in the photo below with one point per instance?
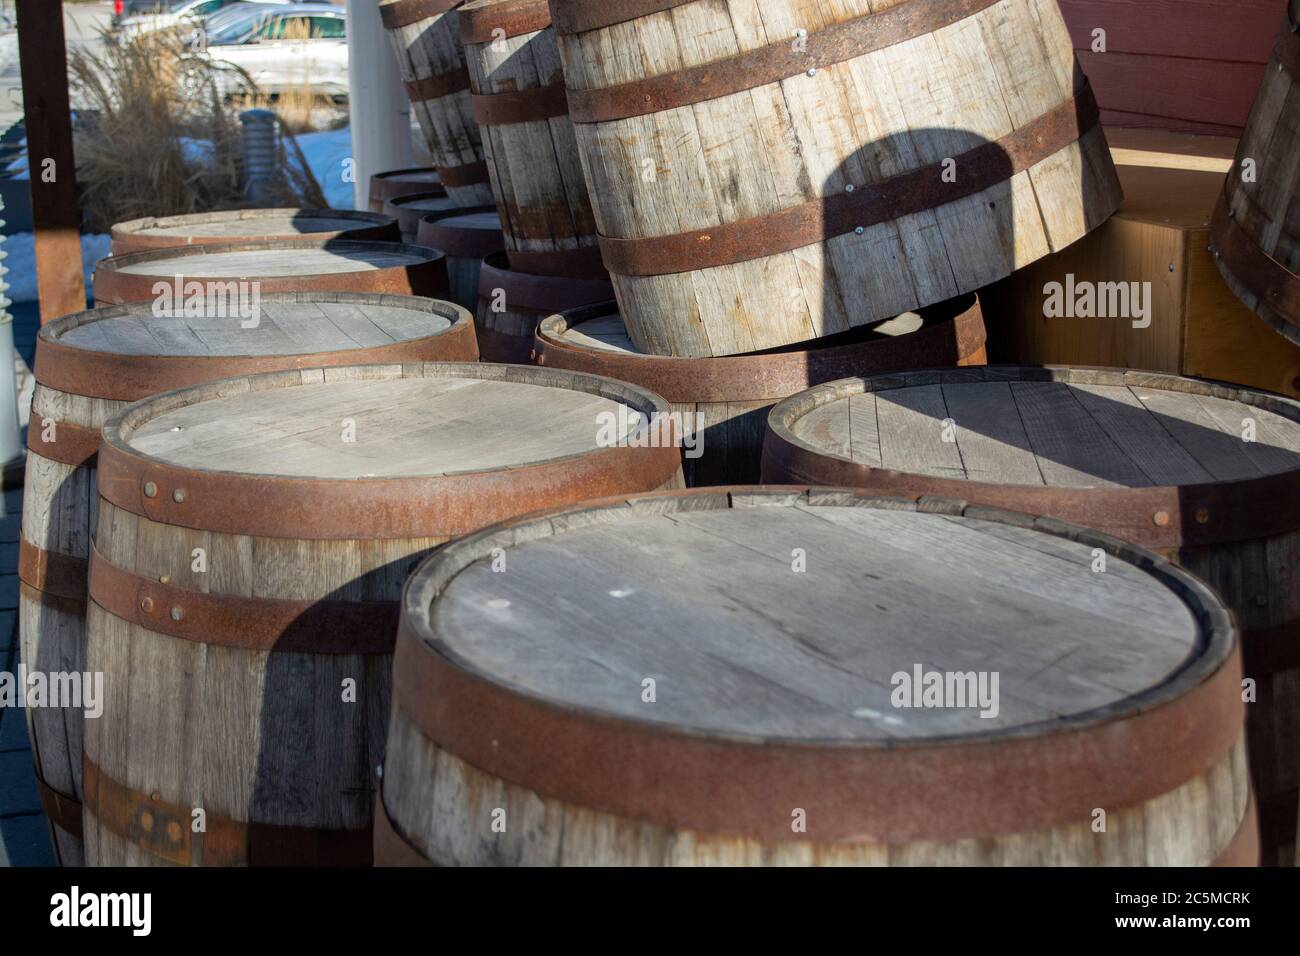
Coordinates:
(50, 162)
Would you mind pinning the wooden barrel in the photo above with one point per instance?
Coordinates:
(408, 210)
(257, 689)
(724, 401)
(464, 237)
(90, 366)
(245, 269)
(511, 303)
(517, 92)
(1204, 473)
(1256, 231)
(402, 182)
(250, 225)
(725, 696)
(792, 173)
(431, 61)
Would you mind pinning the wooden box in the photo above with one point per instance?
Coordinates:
(1160, 235)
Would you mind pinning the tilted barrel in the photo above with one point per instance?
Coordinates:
(464, 237)
(431, 62)
(402, 182)
(517, 93)
(1205, 473)
(250, 225)
(792, 171)
(253, 536)
(773, 677)
(172, 276)
(1255, 236)
(512, 303)
(724, 401)
(89, 367)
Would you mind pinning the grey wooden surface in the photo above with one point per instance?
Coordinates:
(707, 604)
(1060, 434)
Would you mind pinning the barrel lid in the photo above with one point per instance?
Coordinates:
(128, 352)
(272, 259)
(233, 224)
(425, 202)
(472, 232)
(378, 451)
(607, 333)
(412, 174)
(595, 340)
(1063, 430)
(716, 658)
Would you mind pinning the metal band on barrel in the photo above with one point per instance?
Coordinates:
(1276, 286)
(510, 18)
(519, 106)
(246, 623)
(164, 830)
(406, 12)
(815, 221)
(769, 64)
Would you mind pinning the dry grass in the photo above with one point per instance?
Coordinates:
(145, 100)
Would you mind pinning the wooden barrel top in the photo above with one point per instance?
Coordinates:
(378, 450)
(1061, 431)
(758, 666)
(595, 340)
(402, 182)
(131, 351)
(278, 266)
(234, 224)
(470, 233)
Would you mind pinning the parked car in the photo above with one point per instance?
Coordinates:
(155, 15)
(285, 47)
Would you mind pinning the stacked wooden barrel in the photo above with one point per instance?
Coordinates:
(1256, 240)
(1205, 473)
(247, 269)
(723, 402)
(89, 367)
(307, 496)
(250, 225)
(402, 182)
(464, 237)
(431, 62)
(732, 717)
(741, 201)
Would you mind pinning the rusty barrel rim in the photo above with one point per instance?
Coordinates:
(390, 184)
(130, 377)
(1159, 517)
(459, 241)
(403, 13)
(408, 220)
(134, 235)
(1121, 754)
(481, 19)
(954, 332)
(542, 294)
(408, 506)
(425, 274)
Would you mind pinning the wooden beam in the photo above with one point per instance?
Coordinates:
(50, 161)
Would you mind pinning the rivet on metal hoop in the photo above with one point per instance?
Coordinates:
(146, 605)
(178, 614)
(178, 495)
(848, 188)
(1202, 515)
(1161, 518)
(164, 579)
(150, 489)
(858, 230)
(813, 71)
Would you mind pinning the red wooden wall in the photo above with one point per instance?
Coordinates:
(1192, 66)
